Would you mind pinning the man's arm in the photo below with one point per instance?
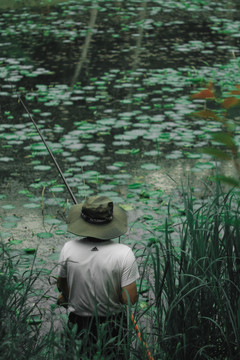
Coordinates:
(62, 286)
(131, 289)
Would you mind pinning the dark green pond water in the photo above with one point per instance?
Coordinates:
(109, 85)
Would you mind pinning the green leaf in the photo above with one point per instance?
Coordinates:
(217, 153)
(4, 235)
(135, 151)
(135, 186)
(150, 166)
(164, 228)
(9, 225)
(8, 207)
(225, 139)
(15, 241)
(57, 188)
(119, 164)
(42, 167)
(31, 206)
(228, 180)
(23, 192)
(12, 218)
(34, 320)
(59, 232)
(148, 217)
(204, 165)
(44, 235)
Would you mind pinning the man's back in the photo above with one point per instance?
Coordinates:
(96, 271)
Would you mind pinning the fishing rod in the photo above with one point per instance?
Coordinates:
(136, 327)
(50, 152)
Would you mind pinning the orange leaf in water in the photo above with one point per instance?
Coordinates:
(230, 102)
(203, 94)
(206, 114)
(235, 92)
(237, 86)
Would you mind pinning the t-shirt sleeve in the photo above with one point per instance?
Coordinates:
(62, 264)
(130, 269)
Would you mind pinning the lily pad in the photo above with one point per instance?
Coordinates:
(8, 207)
(135, 186)
(193, 156)
(24, 192)
(44, 235)
(6, 159)
(12, 218)
(5, 235)
(204, 165)
(9, 225)
(90, 158)
(152, 153)
(150, 166)
(31, 206)
(15, 242)
(57, 189)
(60, 232)
(119, 164)
(42, 167)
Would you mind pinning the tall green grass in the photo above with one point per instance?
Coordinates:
(20, 313)
(197, 285)
(194, 307)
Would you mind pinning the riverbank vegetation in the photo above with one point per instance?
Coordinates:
(191, 308)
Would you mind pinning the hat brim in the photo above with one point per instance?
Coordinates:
(78, 226)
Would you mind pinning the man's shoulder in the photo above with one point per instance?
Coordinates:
(71, 243)
(123, 248)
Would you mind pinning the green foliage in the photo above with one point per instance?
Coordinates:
(20, 317)
(217, 153)
(197, 286)
(188, 306)
(225, 139)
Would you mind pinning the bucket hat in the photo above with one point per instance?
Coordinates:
(98, 217)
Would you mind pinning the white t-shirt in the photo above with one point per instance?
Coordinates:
(96, 272)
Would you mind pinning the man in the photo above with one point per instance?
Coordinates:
(97, 276)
